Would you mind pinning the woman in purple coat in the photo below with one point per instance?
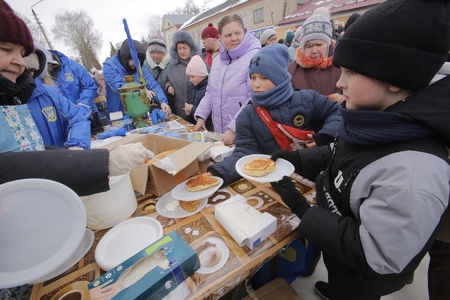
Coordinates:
(228, 84)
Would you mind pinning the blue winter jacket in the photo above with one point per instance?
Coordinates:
(75, 83)
(60, 122)
(113, 71)
(254, 137)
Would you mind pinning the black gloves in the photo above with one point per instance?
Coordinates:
(291, 156)
(291, 196)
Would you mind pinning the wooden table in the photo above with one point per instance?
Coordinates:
(241, 261)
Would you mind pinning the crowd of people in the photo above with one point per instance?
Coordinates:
(362, 113)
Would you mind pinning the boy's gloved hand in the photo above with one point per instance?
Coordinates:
(291, 196)
(290, 156)
(127, 157)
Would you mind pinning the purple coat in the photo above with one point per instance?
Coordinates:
(228, 84)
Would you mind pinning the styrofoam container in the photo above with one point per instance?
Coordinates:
(107, 209)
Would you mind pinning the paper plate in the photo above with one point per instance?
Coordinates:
(283, 168)
(213, 253)
(180, 192)
(43, 223)
(83, 248)
(178, 212)
(77, 285)
(126, 239)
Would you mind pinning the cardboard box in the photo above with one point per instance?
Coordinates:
(276, 289)
(152, 273)
(153, 178)
(246, 225)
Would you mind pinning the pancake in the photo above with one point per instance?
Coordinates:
(201, 182)
(259, 167)
(190, 206)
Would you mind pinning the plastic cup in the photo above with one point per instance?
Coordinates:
(154, 117)
(162, 116)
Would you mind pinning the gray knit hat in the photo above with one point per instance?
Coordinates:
(157, 44)
(316, 27)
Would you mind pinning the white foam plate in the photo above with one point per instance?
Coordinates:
(180, 192)
(42, 224)
(126, 239)
(283, 168)
(101, 143)
(178, 212)
(205, 255)
(83, 248)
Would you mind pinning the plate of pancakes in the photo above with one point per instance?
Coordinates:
(260, 168)
(169, 207)
(197, 187)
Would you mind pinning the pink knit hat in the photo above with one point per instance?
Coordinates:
(196, 67)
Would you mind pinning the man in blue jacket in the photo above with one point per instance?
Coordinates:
(73, 81)
(122, 64)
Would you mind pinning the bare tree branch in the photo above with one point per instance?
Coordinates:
(189, 8)
(34, 28)
(76, 30)
(154, 27)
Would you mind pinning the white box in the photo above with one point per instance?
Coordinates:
(246, 225)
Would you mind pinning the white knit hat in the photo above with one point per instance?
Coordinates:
(316, 27)
(322, 11)
(32, 61)
(196, 67)
(266, 35)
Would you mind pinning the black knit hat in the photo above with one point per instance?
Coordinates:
(13, 29)
(351, 20)
(400, 42)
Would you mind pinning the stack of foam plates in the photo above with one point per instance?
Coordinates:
(42, 225)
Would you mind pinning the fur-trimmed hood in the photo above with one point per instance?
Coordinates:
(40, 51)
(182, 36)
(152, 64)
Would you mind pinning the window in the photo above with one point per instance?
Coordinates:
(258, 15)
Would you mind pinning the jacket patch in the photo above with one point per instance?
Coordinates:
(299, 121)
(50, 114)
(69, 76)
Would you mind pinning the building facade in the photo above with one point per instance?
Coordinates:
(259, 15)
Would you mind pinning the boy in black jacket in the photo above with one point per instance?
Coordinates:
(385, 185)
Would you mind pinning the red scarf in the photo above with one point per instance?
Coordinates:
(319, 64)
(288, 138)
(210, 56)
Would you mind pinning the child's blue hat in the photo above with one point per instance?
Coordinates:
(271, 62)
